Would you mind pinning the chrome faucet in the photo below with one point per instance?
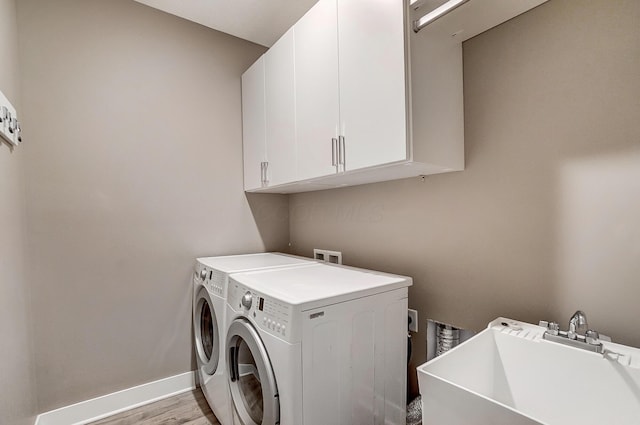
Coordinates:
(579, 335)
(578, 325)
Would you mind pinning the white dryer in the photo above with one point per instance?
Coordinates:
(317, 345)
(209, 305)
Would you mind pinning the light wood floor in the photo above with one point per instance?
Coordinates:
(189, 408)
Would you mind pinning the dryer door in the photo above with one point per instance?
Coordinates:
(251, 379)
(207, 333)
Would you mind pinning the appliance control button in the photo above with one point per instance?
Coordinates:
(283, 329)
(264, 320)
(203, 274)
(278, 327)
(247, 300)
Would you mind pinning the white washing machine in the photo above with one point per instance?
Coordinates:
(317, 345)
(209, 306)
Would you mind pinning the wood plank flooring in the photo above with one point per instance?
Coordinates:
(189, 408)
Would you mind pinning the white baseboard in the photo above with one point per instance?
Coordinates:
(120, 401)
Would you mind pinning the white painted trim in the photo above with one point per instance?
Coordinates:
(120, 401)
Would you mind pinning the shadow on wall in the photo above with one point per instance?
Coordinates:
(315, 213)
(271, 215)
(599, 241)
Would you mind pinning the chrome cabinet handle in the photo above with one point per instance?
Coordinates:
(341, 150)
(334, 145)
(263, 172)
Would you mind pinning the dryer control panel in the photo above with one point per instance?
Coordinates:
(272, 315)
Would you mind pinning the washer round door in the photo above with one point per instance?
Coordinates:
(251, 379)
(207, 334)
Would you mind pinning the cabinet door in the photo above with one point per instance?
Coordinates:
(253, 124)
(372, 81)
(317, 95)
(280, 111)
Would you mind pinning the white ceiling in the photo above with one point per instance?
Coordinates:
(260, 21)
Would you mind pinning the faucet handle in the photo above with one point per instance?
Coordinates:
(592, 337)
(553, 328)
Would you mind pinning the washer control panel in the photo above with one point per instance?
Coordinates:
(269, 314)
(199, 273)
(214, 280)
(276, 316)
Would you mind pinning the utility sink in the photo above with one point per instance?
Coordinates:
(509, 375)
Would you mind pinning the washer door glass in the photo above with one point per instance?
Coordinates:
(252, 382)
(206, 333)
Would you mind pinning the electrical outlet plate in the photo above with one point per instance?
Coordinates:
(413, 320)
(334, 257)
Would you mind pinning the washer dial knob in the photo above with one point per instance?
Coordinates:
(247, 300)
(203, 274)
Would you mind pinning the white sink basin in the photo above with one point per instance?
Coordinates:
(509, 375)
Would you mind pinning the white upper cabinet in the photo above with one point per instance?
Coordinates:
(280, 108)
(253, 125)
(317, 91)
(362, 91)
(373, 116)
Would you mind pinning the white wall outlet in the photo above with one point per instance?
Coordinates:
(413, 320)
(334, 257)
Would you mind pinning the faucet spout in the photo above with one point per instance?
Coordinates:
(578, 324)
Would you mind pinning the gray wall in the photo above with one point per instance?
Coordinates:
(133, 122)
(132, 162)
(17, 389)
(545, 218)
